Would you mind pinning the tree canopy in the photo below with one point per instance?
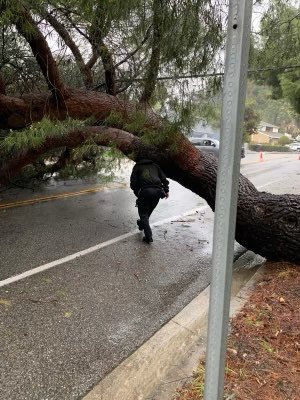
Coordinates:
(119, 47)
(277, 45)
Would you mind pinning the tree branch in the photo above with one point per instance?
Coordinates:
(132, 53)
(92, 61)
(2, 85)
(103, 136)
(153, 66)
(64, 34)
(67, 13)
(99, 47)
(17, 113)
(60, 163)
(42, 53)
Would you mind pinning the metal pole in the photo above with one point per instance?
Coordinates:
(236, 64)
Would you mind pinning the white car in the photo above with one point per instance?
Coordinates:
(210, 146)
(294, 146)
(206, 144)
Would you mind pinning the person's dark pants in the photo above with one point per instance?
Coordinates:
(146, 202)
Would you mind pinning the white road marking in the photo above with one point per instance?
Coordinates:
(268, 184)
(89, 250)
(99, 246)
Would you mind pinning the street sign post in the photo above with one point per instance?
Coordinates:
(233, 105)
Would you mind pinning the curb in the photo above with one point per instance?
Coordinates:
(154, 366)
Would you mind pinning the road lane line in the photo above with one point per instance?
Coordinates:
(58, 196)
(99, 246)
(268, 184)
(89, 250)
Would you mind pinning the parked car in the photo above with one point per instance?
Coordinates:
(210, 146)
(294, 146)
(205, 144)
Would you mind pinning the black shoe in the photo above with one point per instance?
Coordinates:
(139, 224)
(147, 239)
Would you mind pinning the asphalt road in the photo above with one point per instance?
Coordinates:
(63, 329)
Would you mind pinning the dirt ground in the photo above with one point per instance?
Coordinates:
(263, 356)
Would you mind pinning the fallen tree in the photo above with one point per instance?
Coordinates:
(267, 224)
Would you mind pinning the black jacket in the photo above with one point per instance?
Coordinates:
(146, 173)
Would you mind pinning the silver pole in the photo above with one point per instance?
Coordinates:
(236, 64)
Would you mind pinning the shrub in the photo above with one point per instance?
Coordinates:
(283, 140)
(268, 147)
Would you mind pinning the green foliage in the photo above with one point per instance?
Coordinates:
(268, 147)
(283, 140)
(166, 137)
(290, 86)
(251, 120)
(278, 112)
(17, 66)
(137, 125)
(209, 110)
(191, 33)
(84, 161)
(277, 45)
(90, 161)
(34, 135)
(115, 119)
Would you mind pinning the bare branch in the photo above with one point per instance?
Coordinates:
(60, 163)
(132, 53)
(124, 88)
(153, 66)
(92, 61)
(42, 53)
(289, 21)
(64, 34)
(100, 48)
(67, 13)
(2, 85)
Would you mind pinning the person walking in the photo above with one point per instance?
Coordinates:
(149, 184)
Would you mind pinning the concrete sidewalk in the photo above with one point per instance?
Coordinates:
(156, 368)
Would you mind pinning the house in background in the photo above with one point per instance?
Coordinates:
(266, 134)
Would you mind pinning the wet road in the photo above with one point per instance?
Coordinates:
(63, 329)
(50, 230)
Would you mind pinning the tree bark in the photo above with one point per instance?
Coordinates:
(153, 66)
(42, 53)
(96, 37)
(19, 112)
(64, 34)
(2, 85)
(267, 224)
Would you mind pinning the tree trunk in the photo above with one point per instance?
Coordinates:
(19, 112)
(267, 224)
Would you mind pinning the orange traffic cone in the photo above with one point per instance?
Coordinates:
(260, 157)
